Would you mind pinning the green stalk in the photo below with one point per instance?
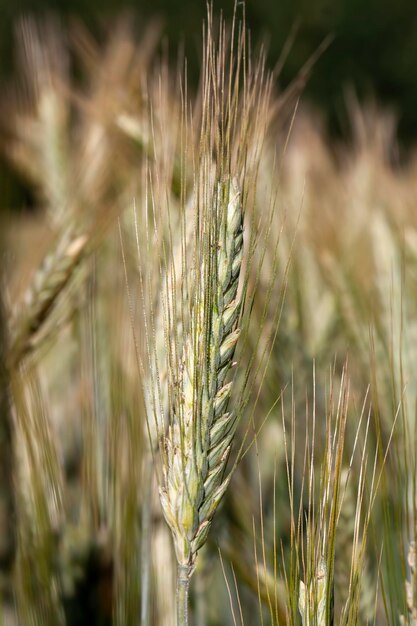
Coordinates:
(146, 541)
(183, 583)
(7, 484)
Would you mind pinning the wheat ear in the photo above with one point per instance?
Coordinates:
(200, 434)
(42, 295)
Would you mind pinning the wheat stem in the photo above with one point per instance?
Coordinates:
(183, 582)
(7, 487)
(146, 541)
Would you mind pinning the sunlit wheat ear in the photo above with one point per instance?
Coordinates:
(201, 429)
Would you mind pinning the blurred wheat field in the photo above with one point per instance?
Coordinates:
(317, 525)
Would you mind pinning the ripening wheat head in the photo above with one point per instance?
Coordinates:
(201, 428)
(204, 288)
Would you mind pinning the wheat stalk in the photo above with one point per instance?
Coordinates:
(203, 291)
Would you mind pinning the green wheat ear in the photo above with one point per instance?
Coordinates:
(201, 429)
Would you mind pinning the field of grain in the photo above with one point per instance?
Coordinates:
(209, 344)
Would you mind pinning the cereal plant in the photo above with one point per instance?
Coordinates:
(208, 343)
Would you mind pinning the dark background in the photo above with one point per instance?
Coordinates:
(374, 49)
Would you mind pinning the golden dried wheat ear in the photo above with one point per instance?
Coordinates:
(199, 437)
(40, 298)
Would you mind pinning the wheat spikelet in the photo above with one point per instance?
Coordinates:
(312, 597)
(201, 431)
